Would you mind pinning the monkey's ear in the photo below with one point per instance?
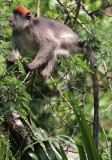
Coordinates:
(28, 16)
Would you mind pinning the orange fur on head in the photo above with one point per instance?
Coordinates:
(23, 10)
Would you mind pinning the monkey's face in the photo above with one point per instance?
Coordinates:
(18, 21)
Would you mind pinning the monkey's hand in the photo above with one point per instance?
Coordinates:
(11, 58)
(32, 66)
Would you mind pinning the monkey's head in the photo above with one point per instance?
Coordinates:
(21, 18)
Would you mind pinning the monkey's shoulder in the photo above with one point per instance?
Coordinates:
(44, 22)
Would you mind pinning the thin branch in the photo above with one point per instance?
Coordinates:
(71, 14)
(77, 11)
(106, 109)
(91, 14)
(108, 78)
(107, 2)
(26, 76)
(105, 13)
(108, 150)
(77, 90)
(100, 9)
(84, 90)
(61, 92)
(32, 82)
(37, 14)
(88, 13)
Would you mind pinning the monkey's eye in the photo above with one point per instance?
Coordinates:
(28, 16)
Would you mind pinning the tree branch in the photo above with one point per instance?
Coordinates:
(108, 78)
(37, 14)
(77, 11)
(71, 14)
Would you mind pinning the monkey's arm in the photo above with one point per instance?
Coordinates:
(16, 47)
(44, 55)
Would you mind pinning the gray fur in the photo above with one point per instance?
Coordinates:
(45, 37)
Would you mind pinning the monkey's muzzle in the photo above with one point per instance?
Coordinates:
(11, 22)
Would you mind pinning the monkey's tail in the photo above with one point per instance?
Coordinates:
(91, 58)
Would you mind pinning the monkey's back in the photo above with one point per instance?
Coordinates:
(60, 30)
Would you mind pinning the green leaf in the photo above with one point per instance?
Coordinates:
(64, 157)
(3, 66)
(52, 152)
(40, 152)
(33, 156)
(81, 152)
(1, 149)
(85, 131)
(20, 66)
(111, 150)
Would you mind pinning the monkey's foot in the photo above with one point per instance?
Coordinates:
(44, 73)
(11, 58)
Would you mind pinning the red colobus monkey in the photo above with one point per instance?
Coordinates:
(48, 39)
(45, 37)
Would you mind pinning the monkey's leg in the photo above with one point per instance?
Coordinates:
(49, 67)
(43, 56)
